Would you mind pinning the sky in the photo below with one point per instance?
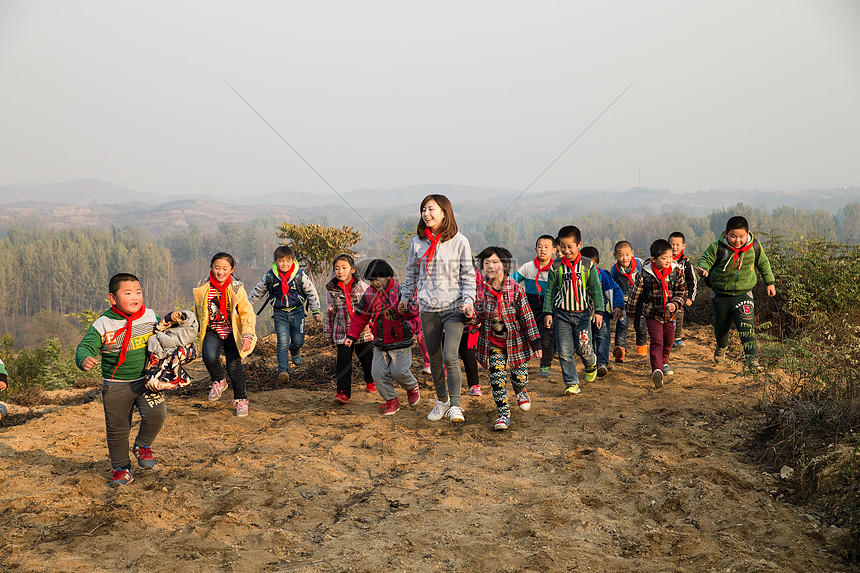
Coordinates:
(725, 94)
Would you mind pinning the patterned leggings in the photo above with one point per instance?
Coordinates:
(498, 378)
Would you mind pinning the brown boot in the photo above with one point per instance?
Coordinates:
(619, 353)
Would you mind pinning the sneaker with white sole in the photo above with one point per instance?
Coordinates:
(667, 370)
(121, 476)
(391, 407)
(144, 456)
(413, 396)
(475, 390)
(217, 389)
(455, 414)
(502, 423)
(602, 371)
(571, 389)
(657, 378)
(241, 407)
(439, 410)
(524, 401)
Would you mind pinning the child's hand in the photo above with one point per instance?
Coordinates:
(671, 307)
(548, 321)
(347, 342)
(2, 385)
(468, 309)
(702, 272)
(402, 306)
(246, 344)
(176, 317)
(598, 320)
(619, 312)
(538, 354)
(88, 363)
(771, 290)
(689, 302)
(317, 319)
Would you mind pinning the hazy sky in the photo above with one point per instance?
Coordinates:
(727, 94)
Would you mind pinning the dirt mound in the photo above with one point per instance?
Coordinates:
(620, 477)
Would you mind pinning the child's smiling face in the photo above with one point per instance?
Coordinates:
(677, 244)
(343, 271)
(284, 264)
(569, 247)
(623, 255)
(737, 238)
(222, 269)
(128, 298)
(493, 268)
(663, 261)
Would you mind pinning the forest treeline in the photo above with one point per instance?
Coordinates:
(65, 271)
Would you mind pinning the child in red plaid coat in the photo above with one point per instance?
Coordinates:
(508, 335)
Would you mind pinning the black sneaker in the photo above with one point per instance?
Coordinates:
(657, 378)
(719, 355)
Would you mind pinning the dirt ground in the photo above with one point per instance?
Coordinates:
(621, 477)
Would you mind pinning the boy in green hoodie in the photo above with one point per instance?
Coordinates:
(730, 264)
(120, 335)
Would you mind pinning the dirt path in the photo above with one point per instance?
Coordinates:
(621, 477)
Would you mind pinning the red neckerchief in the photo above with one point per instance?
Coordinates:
(630, 274)
(377, 308)
(347, 291)
(661, 275)
(431, 250)
(221, 289)
(285, 280)
(572, 267)
(496, 295)
(540, 270)
(678, 258)
(737, 252)
(127, 330)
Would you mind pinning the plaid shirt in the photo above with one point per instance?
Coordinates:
(337, 318)
(522, 336)
(646, 299)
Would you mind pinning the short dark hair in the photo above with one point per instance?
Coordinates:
(378, 269)
(118, 279)
(678, 235)
(659, 247)
(737, 222)
(547, 237)
(283, 252)
(622, 245)
(591, 253)
(351, 261)
(226, 256)
(569, 231)
(504, 255)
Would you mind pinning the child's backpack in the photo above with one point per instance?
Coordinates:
(721, 254)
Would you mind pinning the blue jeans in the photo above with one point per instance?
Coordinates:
(572, 337)
(290, 328)
(621, 327)
(602, 338)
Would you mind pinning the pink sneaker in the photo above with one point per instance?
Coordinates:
(412, 396)
(241, 407)
(217, 389)
(391, 407)
(475, 390)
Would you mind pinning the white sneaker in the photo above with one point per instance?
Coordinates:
(439, 410)
(455, 414)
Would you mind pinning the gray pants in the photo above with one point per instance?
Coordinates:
(120, 398)
(392, 365)
(434, 324)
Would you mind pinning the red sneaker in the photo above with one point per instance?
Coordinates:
(391, 407)
(120, 476)
(341, 398)
(371, 387)
(412, 396)
(144, 457)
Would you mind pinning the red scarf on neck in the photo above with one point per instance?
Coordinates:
(347, 291)
(540, 270)
(285, 280)
(431, 250)
(127, 330)
(737, 252)
(572, 267)
(678, 257)
(661, 275)
(630, 274)
(222, 289)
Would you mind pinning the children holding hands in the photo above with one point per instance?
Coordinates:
(679, 243)
(392, 335)
(508, 336)
(573, 291)
(533, 276)
(658, 292)
(613, 305)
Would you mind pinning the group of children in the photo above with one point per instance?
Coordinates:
(559, 303)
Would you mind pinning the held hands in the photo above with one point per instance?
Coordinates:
(538, 354)
(318, 318)
(347, 342)
(598, 320)
(688, 302)
(702, 272)
(402, 306)
(88, 363)
(548, 321)
(468, 310)
(671, 307)
(618, 312)
(771, 290)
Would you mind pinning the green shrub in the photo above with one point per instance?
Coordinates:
(49, 366)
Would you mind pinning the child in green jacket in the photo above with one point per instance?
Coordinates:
(730, 264)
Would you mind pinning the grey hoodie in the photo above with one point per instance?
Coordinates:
(450, 281)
